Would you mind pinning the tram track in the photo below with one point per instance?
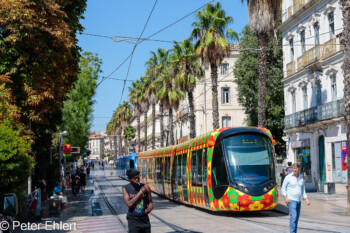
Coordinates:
(271, 227)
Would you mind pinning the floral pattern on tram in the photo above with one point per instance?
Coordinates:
(233, 199)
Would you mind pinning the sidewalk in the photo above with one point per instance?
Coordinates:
(83, 214)
(322, 204)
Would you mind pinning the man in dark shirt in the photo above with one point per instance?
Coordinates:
(139, 200)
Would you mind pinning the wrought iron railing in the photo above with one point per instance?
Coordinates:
(317, 113)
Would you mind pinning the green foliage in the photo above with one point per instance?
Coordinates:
(246, 73)
(77, 111)
(15, 163)
(129, 133)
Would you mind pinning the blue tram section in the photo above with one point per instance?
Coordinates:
(125, 163)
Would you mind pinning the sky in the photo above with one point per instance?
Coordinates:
(127, 19)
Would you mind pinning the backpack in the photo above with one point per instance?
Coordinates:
(77, 179)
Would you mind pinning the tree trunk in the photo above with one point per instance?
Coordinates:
(345, 4)
(171, 127)
(145, 115)
(153, 125)
(161, 110)
(191, 116)
(263, 40)
(139, 131)
(214, 90)
(126, 146)
(120, 142)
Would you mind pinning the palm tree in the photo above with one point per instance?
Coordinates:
(129, 134)
(134, 98)
(186, 67)
(211, 45)
(155, 65)
(263, 16)
(345, 4)
(144, 102)
(170, 96)
(151, 71)
(113, 127)
(124, 113)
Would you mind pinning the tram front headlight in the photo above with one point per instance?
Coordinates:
(265, 189)
(246, 190)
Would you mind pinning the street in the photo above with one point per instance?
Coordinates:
(104, 211)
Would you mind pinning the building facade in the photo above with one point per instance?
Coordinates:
(313, 92)
(96, 145)
(231, 113)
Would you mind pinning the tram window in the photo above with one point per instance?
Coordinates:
(219, 174)
(132, 164)
(159, 169)
(199, 167)
(179, 180)
(194, 168)
(167, 170)
(150, 164)
(184, 161)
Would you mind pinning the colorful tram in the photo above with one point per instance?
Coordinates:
(125, 163)
(229, 169)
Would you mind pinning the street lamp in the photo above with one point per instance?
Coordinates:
(64, 133)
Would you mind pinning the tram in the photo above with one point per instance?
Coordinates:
(125, 163)
(228, 169)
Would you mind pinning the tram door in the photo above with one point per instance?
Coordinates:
(184, 177)
(173, 179)
(205, 177)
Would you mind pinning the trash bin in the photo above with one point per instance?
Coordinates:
(331, 188)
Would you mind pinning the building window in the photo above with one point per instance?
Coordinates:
(226, 122)
(334, 87)
(225, 95)
(293, 103)
(317, 34)
(318, 93)
(331, 25)
(305, 97)
(224, 68)
(291, 45)
(302, 41)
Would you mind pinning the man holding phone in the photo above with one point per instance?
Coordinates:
(138, 198)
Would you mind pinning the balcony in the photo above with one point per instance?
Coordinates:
(290, 68)
(317, 113)
(297, 5)
(317, 53)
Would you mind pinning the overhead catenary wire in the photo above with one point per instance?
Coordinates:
(147, 38)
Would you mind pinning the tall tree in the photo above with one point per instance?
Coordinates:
(170, 95)
(263, 17)
(187, 69)
(135, 95)
(124, 113)
(145, 102)
(211, 45)
(345, 6)
(157, 63)
(39, 63)
(129, 134)
(77, 111)
(246, 75)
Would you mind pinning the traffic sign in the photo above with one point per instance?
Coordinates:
(75, 150)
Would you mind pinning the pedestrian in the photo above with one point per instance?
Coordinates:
(72, 181)
(88, 171)
(83, 180)
(139, 200)
(57, 193)
(77, 181)
(289, 169)
(282, 176)
(293, 189)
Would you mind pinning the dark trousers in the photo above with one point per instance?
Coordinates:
(138, 224)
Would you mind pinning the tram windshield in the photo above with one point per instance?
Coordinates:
(250, 158)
